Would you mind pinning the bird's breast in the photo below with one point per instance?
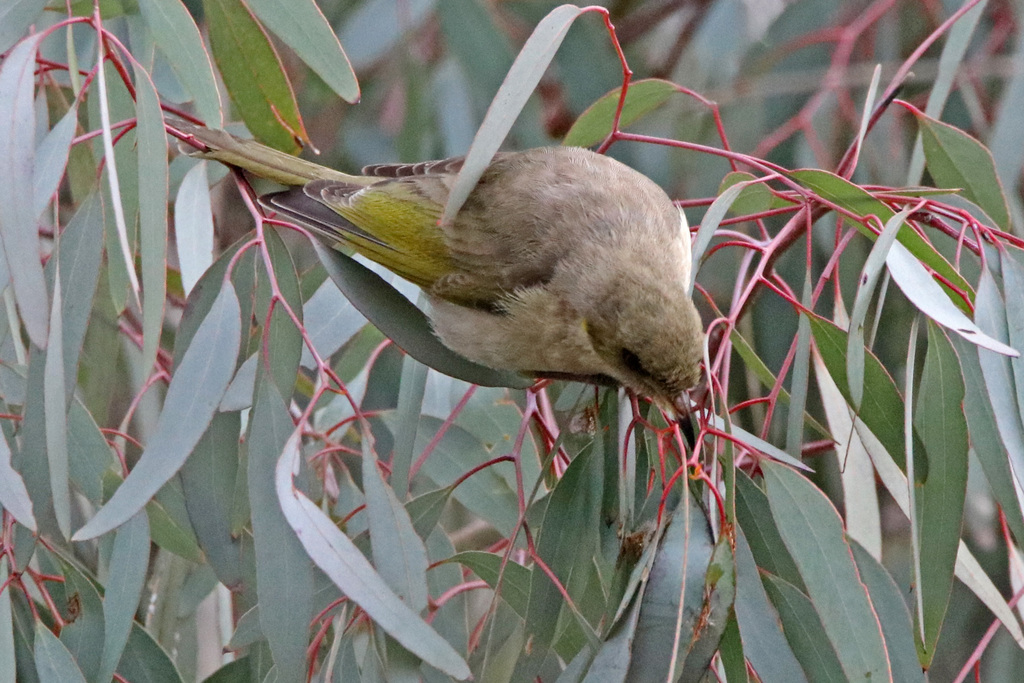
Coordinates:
(537, 332)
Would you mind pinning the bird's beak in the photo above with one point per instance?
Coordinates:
(681, 410)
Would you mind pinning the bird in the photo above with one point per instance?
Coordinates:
(562, 262)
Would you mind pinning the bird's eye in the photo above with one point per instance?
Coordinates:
(632, 361)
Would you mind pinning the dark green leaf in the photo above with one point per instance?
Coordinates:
(957, 160)
(882, 408)
(253, 75)
(804, 631)
(515, 578)
(859, 202)
(939, 419)
(897, 626)
(303, 28)
(568, 543)
(643, 97)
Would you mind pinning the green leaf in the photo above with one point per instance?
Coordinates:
(568, 541)
(882, 408)
(54, 663)
(128, 563)
(52, 158)
(177, 36)
(754, 197)
(928, 296)
(939, 419)
(813, 533)
(425, 510)
(302, 27)
(153, 179)
(195, 391)
(984, 437)
(861, 203)
(515, 579)
(764, 642)
(673, 599)
(8, 667)
(760, 531)
(708, 225)
(897, 626)
(955, 159)
(145, 660)
(804, 631)
(18, 228)
(398, 552)
(14, 497)
(253, 75)
(522, 78)
(209, 480)
(193, 226)
(284, 573)
(642, 97)
(346, 566)
(403, 323)
(56, 413)
(991, 313)
(80, 258)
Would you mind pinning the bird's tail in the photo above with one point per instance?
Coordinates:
(258, 159)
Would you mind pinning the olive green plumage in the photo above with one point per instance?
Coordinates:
(561, 262)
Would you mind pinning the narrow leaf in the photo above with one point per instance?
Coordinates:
(940, 421)
(865, 292)
(175, 33)
(193, 226)
(930, 299)
(957, 160)
(16, 16)
(813, 533)
(253, 74)
(398, 552)
(522, 78)
(128, 563)
(52, 158)
(14, 496)
(192, 398)
(54, 663)
(18, 228)
(55, 409)
(859, 202)
(152, 150)
(764, 642)
(303, 28)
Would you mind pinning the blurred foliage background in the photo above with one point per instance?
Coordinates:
(162, 335)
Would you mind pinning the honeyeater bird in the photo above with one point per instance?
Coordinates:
(561, 263)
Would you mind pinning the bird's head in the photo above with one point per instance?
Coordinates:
(649, 334)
